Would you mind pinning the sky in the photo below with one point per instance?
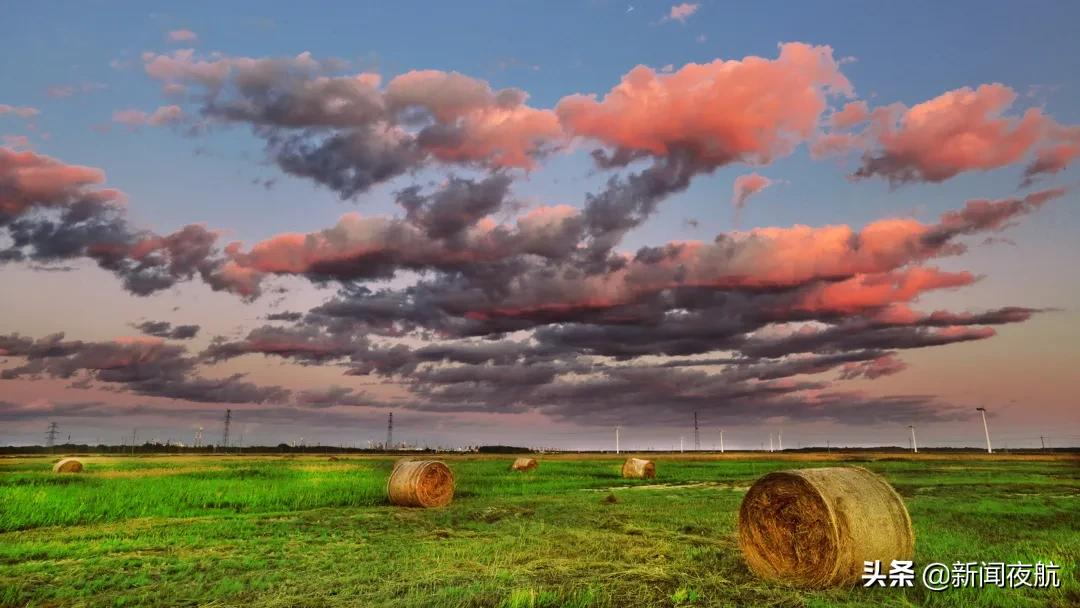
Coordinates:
(531, 223)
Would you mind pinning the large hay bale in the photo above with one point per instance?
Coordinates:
(524, 464)
(639, 468)
(68, 465)
(816, 527)
(421, 483)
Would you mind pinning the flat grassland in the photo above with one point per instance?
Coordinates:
(306, 531)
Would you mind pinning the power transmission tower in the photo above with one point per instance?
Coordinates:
(390, 431)
(697, 434)
(199, 437)
(914, 446)
(50, 435)
(225, 435)
(780, 440)
(616, 440)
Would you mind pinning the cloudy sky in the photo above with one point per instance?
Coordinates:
(526, 223)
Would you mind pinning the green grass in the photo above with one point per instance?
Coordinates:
(188, 531)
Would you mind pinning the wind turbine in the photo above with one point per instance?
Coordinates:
(986, 429)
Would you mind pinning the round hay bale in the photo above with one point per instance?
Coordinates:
(333, 459)
(421, 483)
(524, 464)
(401, 461)
(816, 527)
(639, 468)
(68, 465)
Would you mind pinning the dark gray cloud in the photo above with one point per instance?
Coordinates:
(147, 366)
(348, 163)
(165, 329)
(627, 202)
(456, 206)
(307, 344)
(333, 396)
(288, 315)
(68, 216)
(347, 133)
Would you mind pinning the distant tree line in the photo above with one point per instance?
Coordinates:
(284, 448)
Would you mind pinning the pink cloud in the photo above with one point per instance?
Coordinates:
(494, 126)
(20, 111)
(33, 180)
(16, 141)
(1061, 147)
(378, 246)
(137, 118)
(746, 186)
(851, 115)
(869, 291)
(751, 110)
(961, 130)
(681, 12)
(833, 269)
(183, 36)
(833, 144)
(886, 365)
(473, 123)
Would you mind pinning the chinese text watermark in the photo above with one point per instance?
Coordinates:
(937, 576)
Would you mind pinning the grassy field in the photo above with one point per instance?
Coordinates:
(304, 531)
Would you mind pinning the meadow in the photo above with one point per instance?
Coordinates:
(306, 531)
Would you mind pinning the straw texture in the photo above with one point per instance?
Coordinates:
(421, 483)
(816, 527)
(524, 464)
(638, 468)
(68, 465)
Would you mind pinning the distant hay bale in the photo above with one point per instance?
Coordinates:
(816, 527)
(421, 483)
(333, 459)
(524, 464)
(639, 468)
(68, 465)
